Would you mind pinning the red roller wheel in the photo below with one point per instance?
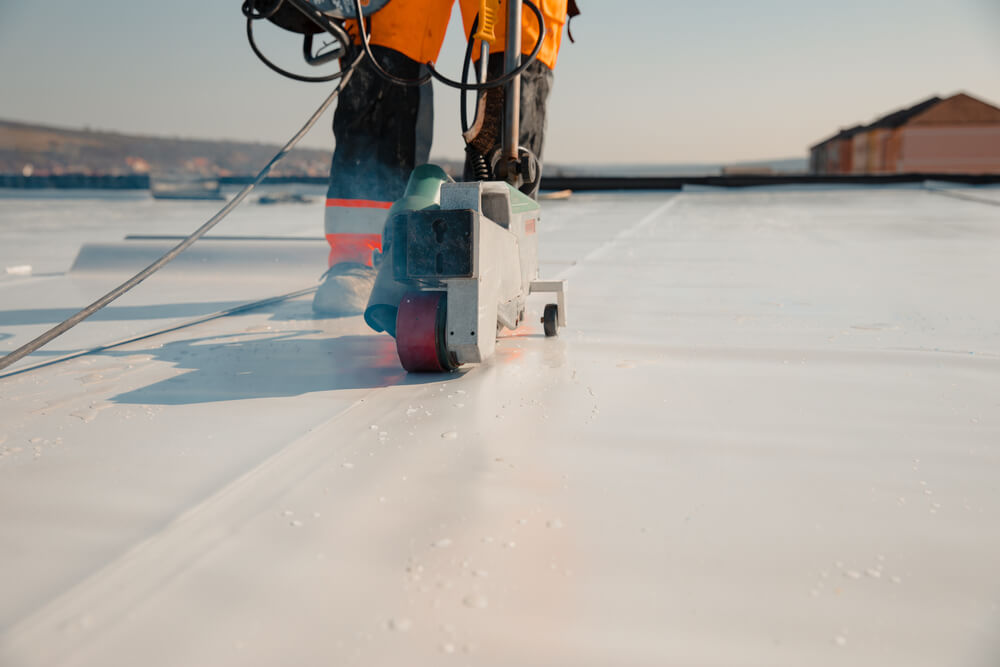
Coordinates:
(420, 333)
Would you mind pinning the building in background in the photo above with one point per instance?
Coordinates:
(955, 135)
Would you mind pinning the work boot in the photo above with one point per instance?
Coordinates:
(345, 290)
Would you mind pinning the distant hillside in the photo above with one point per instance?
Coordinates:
(43, 151)
(27, 149)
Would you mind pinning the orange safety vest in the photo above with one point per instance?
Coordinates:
(416, 28)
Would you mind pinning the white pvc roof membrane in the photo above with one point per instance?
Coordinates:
(770, 435)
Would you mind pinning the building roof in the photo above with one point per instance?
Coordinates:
(844, 133)
(901, 117)
(959, 108)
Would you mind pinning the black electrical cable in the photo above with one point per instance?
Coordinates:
(320, 20)
(284, 72)
(463, 106)
(477, 167)
(250, 5)
(433, 73)
(235, 310)
(495, 83)
(73, 320)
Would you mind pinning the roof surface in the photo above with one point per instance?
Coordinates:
(769, 435)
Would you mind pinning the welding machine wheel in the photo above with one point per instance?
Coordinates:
(420, 332)
(550, 319)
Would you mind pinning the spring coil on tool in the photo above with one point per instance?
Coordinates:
(478, 167)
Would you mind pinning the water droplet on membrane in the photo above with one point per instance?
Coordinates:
(400, 624)
(475, 601)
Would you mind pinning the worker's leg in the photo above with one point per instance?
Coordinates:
(382, 130)
(536, 81)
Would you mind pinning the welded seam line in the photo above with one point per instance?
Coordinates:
(644, 222)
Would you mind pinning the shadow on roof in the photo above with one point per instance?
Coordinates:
(291, 363)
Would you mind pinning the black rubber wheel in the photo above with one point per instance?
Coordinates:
(550, 319)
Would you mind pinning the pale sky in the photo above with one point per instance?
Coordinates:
(647, 81)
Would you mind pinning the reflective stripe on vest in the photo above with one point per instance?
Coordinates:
(357, 248)
(355, 216)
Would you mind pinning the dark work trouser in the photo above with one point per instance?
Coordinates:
(382, 130)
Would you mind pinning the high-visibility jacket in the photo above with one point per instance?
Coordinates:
(416, 28)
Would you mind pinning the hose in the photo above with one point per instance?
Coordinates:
(433, 73)
(466, 64)
(499, 81)
(235, 310)
(248, 10)
(333, 28)
(73, 320)
(320, 20)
